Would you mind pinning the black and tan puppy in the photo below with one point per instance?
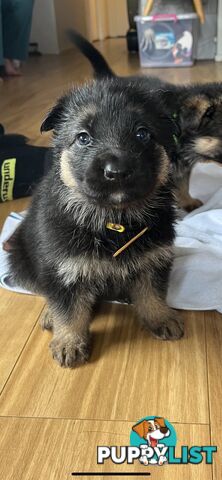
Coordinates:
(108, 185)
(198, 112)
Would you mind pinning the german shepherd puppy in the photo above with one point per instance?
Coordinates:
(102, 218)
(198, 112)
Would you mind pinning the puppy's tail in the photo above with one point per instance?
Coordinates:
(100, 66)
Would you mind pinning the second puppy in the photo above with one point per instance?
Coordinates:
(198, 112)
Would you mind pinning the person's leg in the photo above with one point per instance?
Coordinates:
(1, 44)
(17, 18)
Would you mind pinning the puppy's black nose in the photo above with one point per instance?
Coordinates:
(114, 172)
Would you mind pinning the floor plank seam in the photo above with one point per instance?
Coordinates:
(22, 350)
(208, 380)
(94, 420)
(208, 389)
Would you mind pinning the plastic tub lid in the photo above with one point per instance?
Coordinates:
(160, 17)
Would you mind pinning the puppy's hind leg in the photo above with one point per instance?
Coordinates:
(70, 345)
(149, 299)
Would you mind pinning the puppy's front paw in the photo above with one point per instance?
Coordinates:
(192, 205)
(171, 329)
(70, 350)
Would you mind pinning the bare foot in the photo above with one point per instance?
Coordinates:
(11, 70)
(17, 64)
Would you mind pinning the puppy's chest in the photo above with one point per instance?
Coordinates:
(93, 261)
(102, 246)
(93, 269)
(96, 262)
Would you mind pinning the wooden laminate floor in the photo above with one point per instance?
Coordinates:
(51, 419)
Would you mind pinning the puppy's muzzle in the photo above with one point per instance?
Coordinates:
(116, 170)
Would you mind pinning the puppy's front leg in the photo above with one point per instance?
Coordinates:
(70, 345)
(149, 299)
(183, 196)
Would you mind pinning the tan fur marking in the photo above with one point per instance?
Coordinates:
(153, 311)
(200, 102)
(164, 170)
(194, 109)
(156, 308)
(183, 196)
(70, 343)
(65, 171)
(207, 145)
(83, 266)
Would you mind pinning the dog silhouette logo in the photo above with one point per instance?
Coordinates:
(154, 436)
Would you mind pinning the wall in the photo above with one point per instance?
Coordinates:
(50, 20)
(95, 19)
(117, 17)
(219, 32)
(44, 30)
(70, 13)
(109, 18)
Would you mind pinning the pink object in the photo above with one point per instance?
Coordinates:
(166, 16)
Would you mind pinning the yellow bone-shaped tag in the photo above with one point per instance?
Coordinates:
(116, 227)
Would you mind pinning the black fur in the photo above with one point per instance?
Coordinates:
(100, 65)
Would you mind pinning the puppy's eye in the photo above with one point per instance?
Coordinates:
(210, 111)
(83, 139)
(142, 134)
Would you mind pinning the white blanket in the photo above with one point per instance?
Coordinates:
(196, 277)
(12, 222)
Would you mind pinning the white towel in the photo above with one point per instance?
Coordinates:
(12, 222)
(196, 277)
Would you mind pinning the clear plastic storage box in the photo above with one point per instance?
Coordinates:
(167, 40)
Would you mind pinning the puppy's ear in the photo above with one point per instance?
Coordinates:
(207, 116)
(194, 112)
(141, 429)
(53, 118)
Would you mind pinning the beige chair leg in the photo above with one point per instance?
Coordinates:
(148, 8)
(197, 4)
(199, 9)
